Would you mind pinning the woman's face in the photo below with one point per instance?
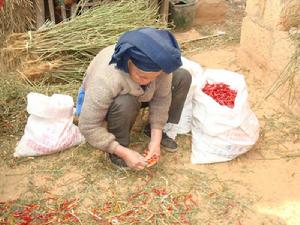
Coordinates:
(139, 76)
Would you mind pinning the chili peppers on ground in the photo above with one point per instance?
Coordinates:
(37, 214)
(221, 93)
(153, 204)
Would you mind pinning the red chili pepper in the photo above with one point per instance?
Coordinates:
(1, 4)
(154, 158)
(106, 207)
(27, 219)
(159, 192)
(183, 219)
(221, 93)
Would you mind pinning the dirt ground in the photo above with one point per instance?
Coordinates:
(259, 187)
(275, 179)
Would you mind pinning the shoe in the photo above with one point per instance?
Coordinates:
(168, 143)
(116, 160)
(147, 130)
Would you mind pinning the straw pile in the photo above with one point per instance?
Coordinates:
(64, 50)
(13, 92)
(12, 103)
(16, 16)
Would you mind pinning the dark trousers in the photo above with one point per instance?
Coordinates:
(124, 109)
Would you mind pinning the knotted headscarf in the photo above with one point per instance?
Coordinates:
(149, 49)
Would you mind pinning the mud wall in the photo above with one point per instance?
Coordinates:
(266, 36)
(211, 11)
(270, 42)
(214, 11)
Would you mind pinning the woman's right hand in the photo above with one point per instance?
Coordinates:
(135, 160)
(132, 158)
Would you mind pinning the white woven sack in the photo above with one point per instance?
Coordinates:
(226, 146)
(220, 133)
(50, 127)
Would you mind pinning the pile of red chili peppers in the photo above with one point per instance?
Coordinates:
(156, 204)
(221, 93)
(1, 4)
(61, 213)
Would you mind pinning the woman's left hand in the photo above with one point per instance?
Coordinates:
(152, 153)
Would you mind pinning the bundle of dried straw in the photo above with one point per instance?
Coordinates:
(16, 16)
(64, 50)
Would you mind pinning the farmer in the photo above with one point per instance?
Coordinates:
(142, 69)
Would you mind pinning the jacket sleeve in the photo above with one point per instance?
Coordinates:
(161, 101)
(98, 98)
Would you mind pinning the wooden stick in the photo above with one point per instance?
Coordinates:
(73, 10)
(40, 13)
(219, 33)
(164, 10)
(63, 11)
(51, 10)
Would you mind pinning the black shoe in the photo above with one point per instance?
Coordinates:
(117, 160)
(168, 143)
(147, 130)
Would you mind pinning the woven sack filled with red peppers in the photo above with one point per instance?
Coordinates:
(2, 4)
(223, 125)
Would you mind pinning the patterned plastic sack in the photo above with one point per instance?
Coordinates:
(221, 133)
(50, 127)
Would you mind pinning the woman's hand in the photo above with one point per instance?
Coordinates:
(153, 150)
(132, 158)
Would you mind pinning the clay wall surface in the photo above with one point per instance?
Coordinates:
(268, 43)
(265, 36)
(211, 11)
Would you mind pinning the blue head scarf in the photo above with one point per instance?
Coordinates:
(149, 49)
